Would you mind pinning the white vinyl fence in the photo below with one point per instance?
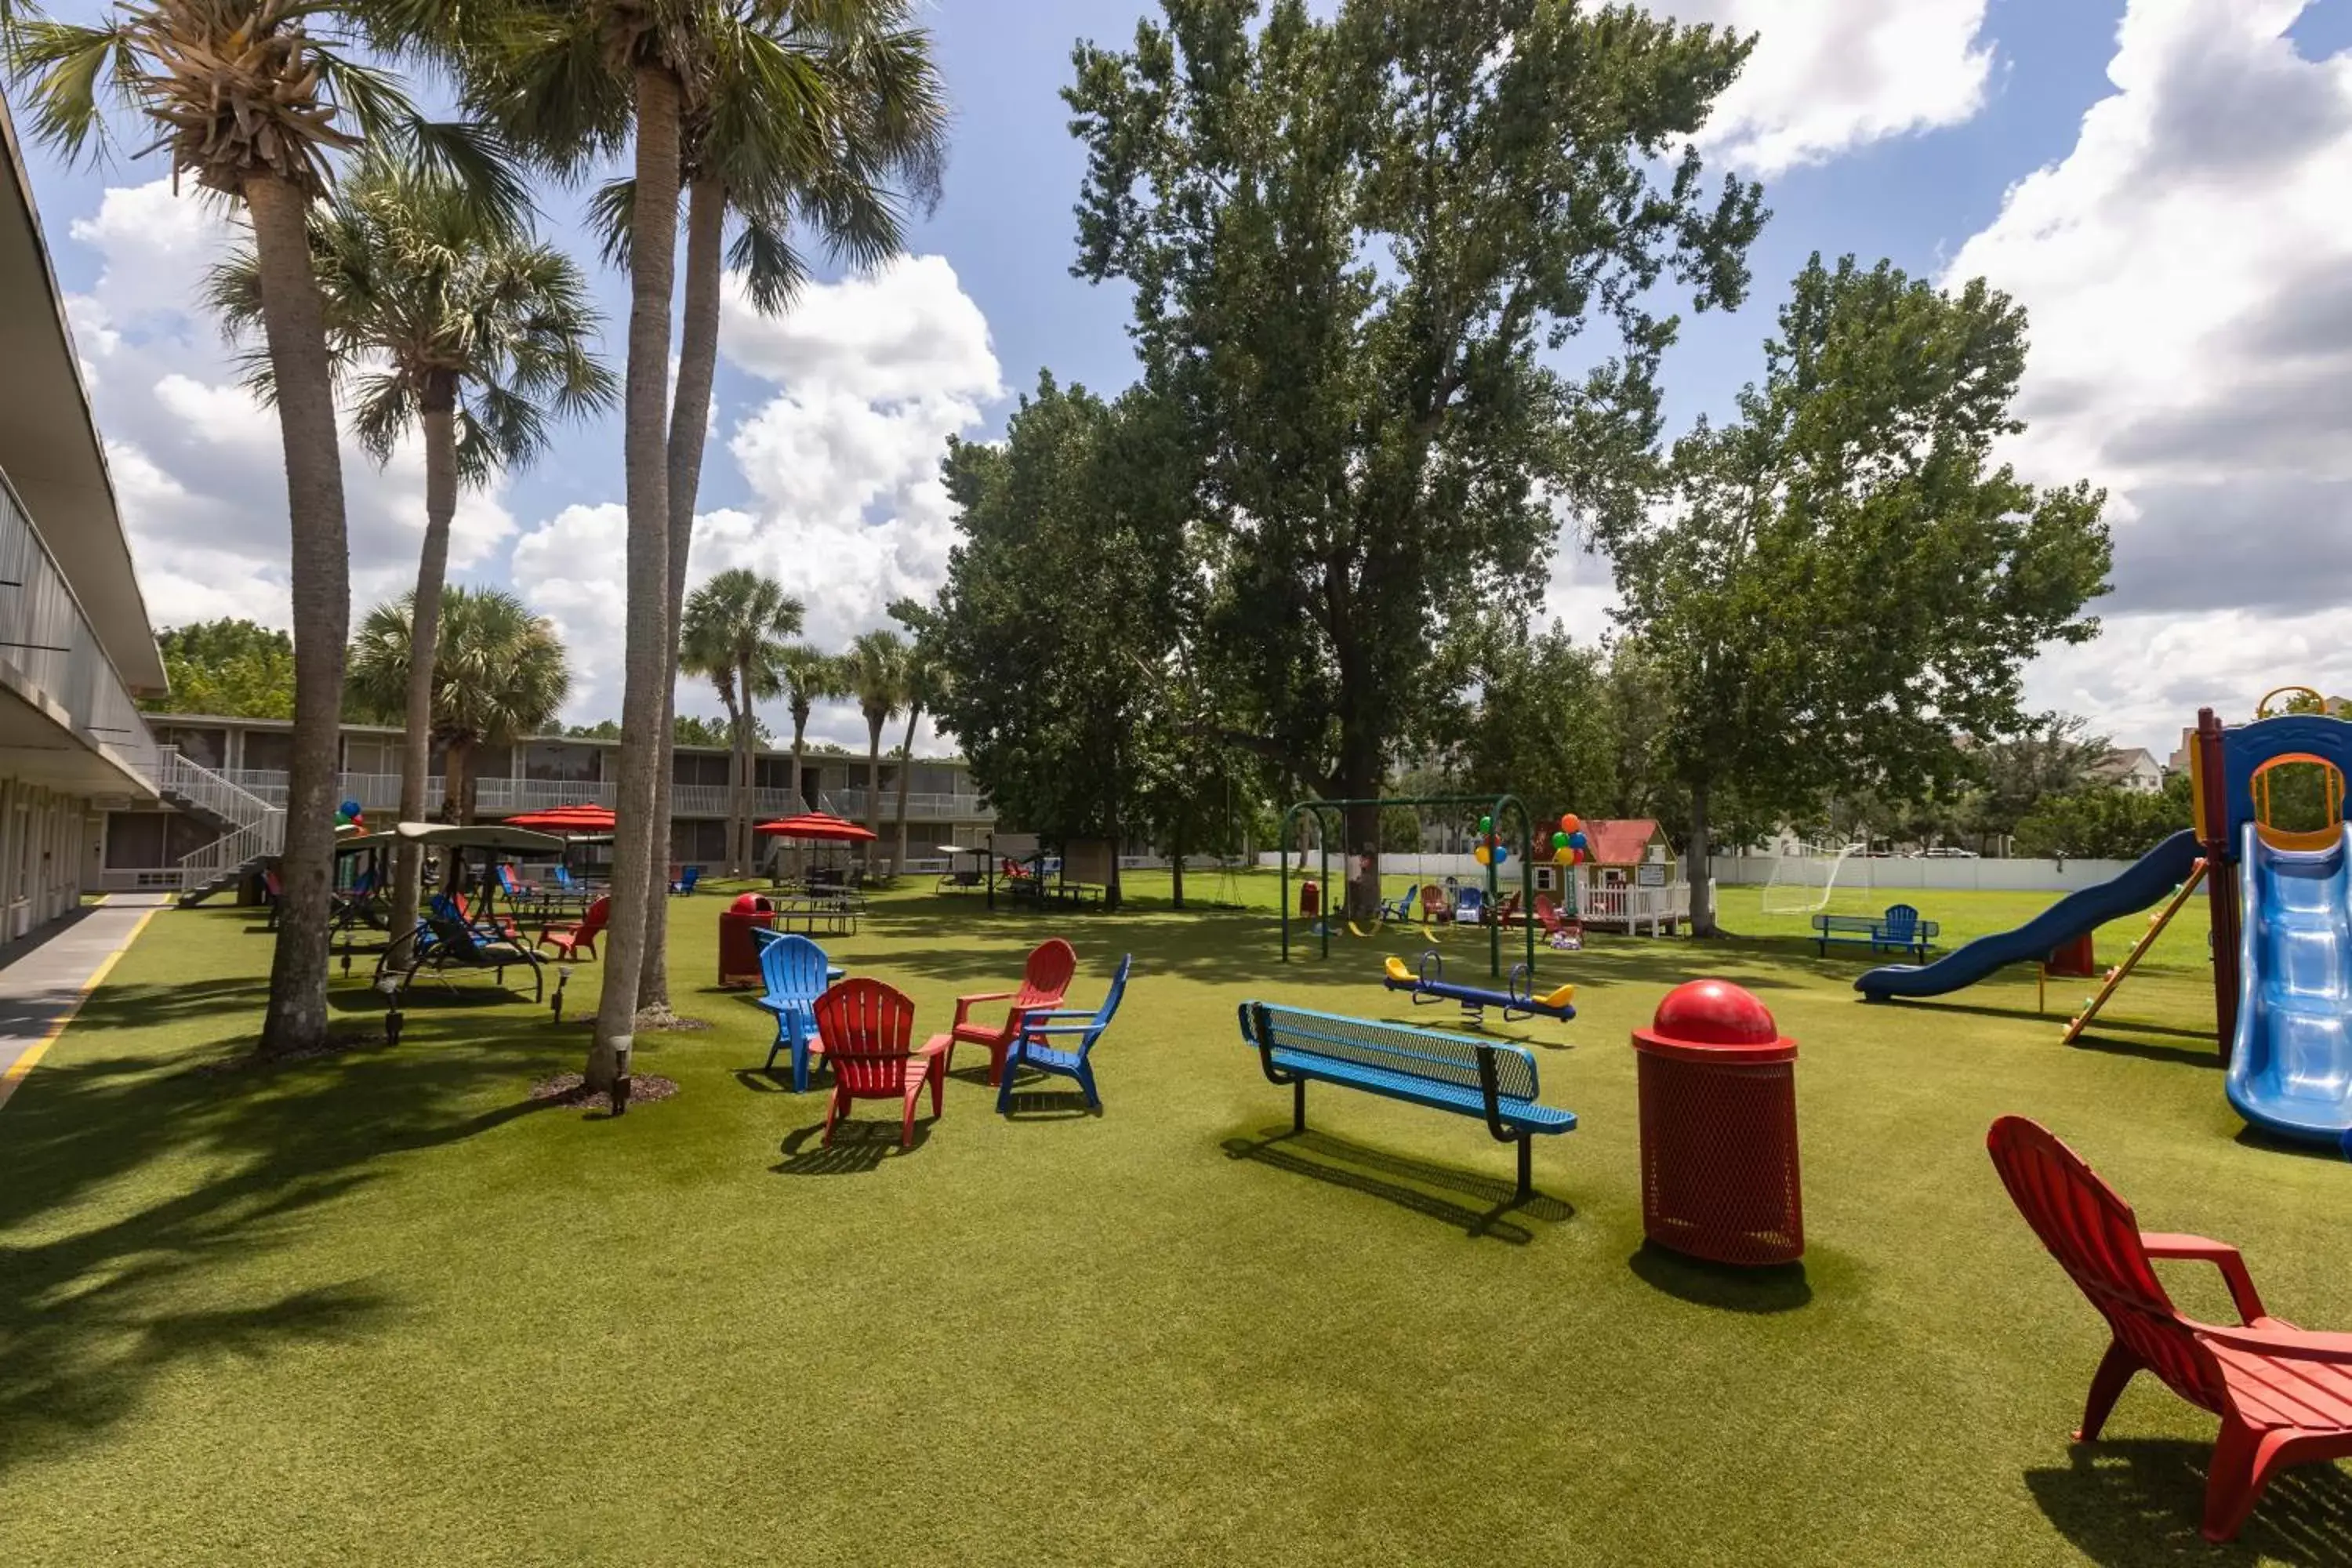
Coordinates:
(1863, 874)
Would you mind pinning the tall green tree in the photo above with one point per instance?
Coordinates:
(875, 669)
(2049, 754)
(498, 676)
(255, 100)
(1066, 684)
(465, 330)
(809, 676)
(232, 667)
(813, 123)
(1351, 242)
(1846, 581)
(576, 83)
(1543, 726)
(735, 629)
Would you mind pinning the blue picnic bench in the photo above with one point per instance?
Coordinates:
(1899, 929)
(1493, 1081)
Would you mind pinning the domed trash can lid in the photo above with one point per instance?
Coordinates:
(1715, 1021)
(749, 904)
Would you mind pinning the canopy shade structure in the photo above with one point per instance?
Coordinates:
(568, 820)
(487, 835)
(816, 826)
(352, 843)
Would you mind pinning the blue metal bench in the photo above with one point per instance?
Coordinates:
(1899, 929)
(1494, 1081)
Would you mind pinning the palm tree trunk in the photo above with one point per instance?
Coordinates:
(798, 802)
(739, 802)
(456, 781)
(439, 419)
(906, 772)
(294, 321)
(650, 647)
(873, 788)
(689, 428)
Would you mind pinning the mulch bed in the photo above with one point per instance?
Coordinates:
(570, 1088)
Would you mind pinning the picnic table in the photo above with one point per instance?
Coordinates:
(830, 914)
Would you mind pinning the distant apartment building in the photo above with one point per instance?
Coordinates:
(75, 649)
(211, 835)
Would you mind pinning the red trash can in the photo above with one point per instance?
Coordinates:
(1718, 1091)
(1310, 900)
(739, 955)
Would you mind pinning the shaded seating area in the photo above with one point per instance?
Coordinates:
(1044, 981)
(2284, 1397)
(578, 940)
(1032, 1049)
(449, 943)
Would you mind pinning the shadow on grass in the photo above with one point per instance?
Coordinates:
(1342, 1163)
(138, 1193)
(1776, 1288)
(1047, 1104)
(2251, 1137)
(858, 1148)
(2137, 1502)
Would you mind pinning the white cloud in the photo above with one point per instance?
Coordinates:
(1828, 76)
(197, 463)
(2188, 267)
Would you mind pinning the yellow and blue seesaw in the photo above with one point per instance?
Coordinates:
(1429, 985)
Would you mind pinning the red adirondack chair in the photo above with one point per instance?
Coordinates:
(1044, 981)
(1434, 905)
(866, 1028)
(578, 940)
(2284, 1397)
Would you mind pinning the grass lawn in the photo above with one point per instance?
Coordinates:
(376, 1308)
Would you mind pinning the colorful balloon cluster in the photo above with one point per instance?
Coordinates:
(348, 815)
(1490, 849)
(1569, 845)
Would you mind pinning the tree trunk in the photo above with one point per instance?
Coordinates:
(294, 321)
(689, 428)
(1176, 864)
(457, 782)
(1701, 867)
(873, 789)
(906, 775)
(439, 419)
(1362, 839)
(800, 735)
(639, 834)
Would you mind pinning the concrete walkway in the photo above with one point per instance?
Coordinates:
(44, 977)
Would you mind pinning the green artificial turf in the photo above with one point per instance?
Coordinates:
(376, 1308)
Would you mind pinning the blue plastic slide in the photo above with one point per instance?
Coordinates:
(2291, 1065)
(2150, 878)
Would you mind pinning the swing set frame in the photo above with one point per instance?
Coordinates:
(1497, 806)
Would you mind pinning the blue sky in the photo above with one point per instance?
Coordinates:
(2063, 149)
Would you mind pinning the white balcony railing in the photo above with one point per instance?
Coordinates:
(54, 652)
(379, 795)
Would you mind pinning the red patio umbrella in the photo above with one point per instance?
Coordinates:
(816, 826)
(566, 820)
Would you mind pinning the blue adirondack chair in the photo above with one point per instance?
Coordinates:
(1406, 909)
(1470, 906)
(687, 879)
(795, 969)
(1031, 1049)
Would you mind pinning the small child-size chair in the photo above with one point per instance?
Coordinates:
(1029, 1049)
(866, 1026)
(794, 970)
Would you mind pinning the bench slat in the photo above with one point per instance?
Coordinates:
(1413, 1091)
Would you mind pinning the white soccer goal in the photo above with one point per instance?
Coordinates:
(1800, 884)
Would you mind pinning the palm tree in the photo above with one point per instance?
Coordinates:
(926, 683)
(498, 676)
(813, 118)
(735, 629)
(253, 100)
(808, 676)
(878, 677)
(571, 82)
(475, 334)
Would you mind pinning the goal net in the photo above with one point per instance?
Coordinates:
(1801, 883)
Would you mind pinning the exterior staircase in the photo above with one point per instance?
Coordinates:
(251, 829)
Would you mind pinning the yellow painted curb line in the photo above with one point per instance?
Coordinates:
(23, 1066)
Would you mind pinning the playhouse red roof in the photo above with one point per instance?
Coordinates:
(1618, 841)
